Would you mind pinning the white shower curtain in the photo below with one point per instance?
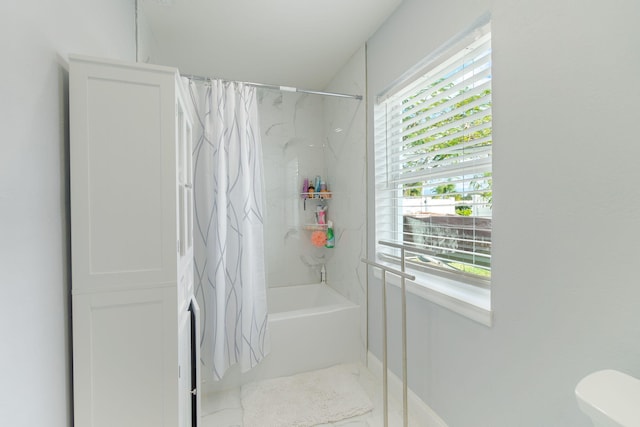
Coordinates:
(229, 213)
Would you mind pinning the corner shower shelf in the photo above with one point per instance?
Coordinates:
(318, 197)
(315, 227)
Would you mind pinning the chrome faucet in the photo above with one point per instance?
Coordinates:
(323, 275)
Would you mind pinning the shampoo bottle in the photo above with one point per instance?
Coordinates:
(331, 239)
(321, 215)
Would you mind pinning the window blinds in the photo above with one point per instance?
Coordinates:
(433, 166)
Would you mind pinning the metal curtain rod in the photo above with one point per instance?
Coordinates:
(280, 88)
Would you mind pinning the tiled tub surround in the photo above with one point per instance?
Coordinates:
(304, 136)
(293, 147)
(346, 163)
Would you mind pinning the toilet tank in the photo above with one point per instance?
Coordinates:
(610, 398)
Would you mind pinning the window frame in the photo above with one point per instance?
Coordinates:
(467, 294)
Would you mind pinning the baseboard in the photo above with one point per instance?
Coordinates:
(419, 411)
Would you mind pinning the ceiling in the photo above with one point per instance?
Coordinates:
(299, 43)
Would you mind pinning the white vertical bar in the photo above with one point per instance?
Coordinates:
(405, 402)
(385, 391)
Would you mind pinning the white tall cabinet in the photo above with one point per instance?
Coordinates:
(135, 321)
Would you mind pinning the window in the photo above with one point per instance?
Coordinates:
(433, 174)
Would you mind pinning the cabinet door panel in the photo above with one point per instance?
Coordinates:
(125, 358)
(124, 174)
(123, 177)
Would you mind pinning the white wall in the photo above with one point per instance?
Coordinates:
(565, 94)
(35, 38)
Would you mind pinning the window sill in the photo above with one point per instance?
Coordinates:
(469, 301)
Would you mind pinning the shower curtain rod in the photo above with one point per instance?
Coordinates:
(280, 88)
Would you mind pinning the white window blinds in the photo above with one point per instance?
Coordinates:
(433, 167)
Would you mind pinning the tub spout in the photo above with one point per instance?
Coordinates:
(323, 275)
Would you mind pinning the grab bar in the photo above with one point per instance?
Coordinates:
(385, 390)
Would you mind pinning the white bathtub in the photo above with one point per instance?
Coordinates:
(311, 327)
(286, 302)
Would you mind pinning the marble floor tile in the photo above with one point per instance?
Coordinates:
(224, 409)
(215, 402)
(223, 418)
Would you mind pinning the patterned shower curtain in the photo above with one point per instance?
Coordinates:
(228, 228)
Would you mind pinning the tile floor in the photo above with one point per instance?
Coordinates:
(225, 410)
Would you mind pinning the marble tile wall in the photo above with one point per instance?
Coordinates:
(304, 136)
(293, 147)
(346, 163)
(309, 135)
